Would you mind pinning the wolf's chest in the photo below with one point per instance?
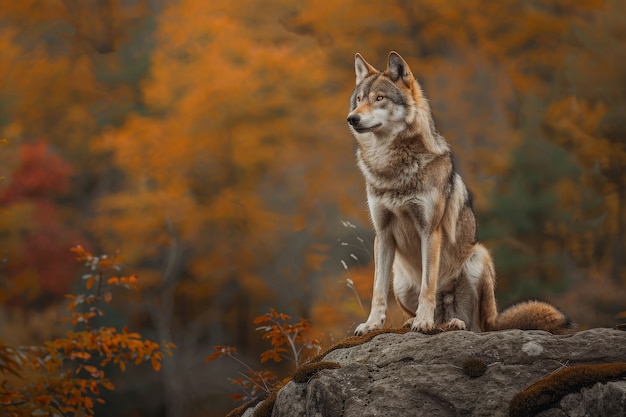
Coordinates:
(406, 212)
(396, 187)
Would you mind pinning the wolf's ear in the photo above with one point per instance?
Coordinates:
(398, 69)
(362, 68)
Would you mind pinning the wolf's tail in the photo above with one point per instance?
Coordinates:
(533, 315)
(528, 315)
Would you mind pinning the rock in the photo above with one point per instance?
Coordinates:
(599, 400)
(414, 374)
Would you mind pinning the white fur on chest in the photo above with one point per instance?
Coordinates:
(380, 159)
(403, 209)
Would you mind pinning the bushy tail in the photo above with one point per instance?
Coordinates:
(533, 315)
(529, 315)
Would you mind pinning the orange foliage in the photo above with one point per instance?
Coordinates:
(207, 139)
(65, 374)
(585, 116)
(287, 340)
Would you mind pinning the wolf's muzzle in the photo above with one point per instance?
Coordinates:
(354, 119)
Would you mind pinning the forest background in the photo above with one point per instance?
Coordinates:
(206, 140)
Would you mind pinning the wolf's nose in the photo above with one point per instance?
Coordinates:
(354, 119)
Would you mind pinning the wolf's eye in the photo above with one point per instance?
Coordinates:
(358, 98)
(379, 98)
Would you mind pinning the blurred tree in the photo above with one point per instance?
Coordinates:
(586, 118)
(67, 69)
(531, 218)
(208, 141)
(230, 178)
(33, 229)
(58, 72)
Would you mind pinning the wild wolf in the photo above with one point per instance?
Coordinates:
(423, 217)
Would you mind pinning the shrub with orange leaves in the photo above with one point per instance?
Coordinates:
(64, 376)
(283, 335)
(289, 341)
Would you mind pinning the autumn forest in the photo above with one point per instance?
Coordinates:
(203, 146)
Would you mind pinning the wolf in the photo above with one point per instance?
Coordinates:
(426, 237)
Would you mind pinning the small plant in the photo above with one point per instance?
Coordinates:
(360, 247)
(65, 376)
(288, 341)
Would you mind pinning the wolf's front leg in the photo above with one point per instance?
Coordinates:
(424, 320)
(384, 252)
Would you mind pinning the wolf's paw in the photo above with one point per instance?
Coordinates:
(422, 326)
(365, 328)
(454, 324)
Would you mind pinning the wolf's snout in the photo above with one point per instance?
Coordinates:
(354, 119)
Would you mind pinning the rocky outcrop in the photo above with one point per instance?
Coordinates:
(461, 373)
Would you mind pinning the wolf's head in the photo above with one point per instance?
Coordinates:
(387, 103)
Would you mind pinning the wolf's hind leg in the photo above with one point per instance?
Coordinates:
(451, 317)
(461, 301)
